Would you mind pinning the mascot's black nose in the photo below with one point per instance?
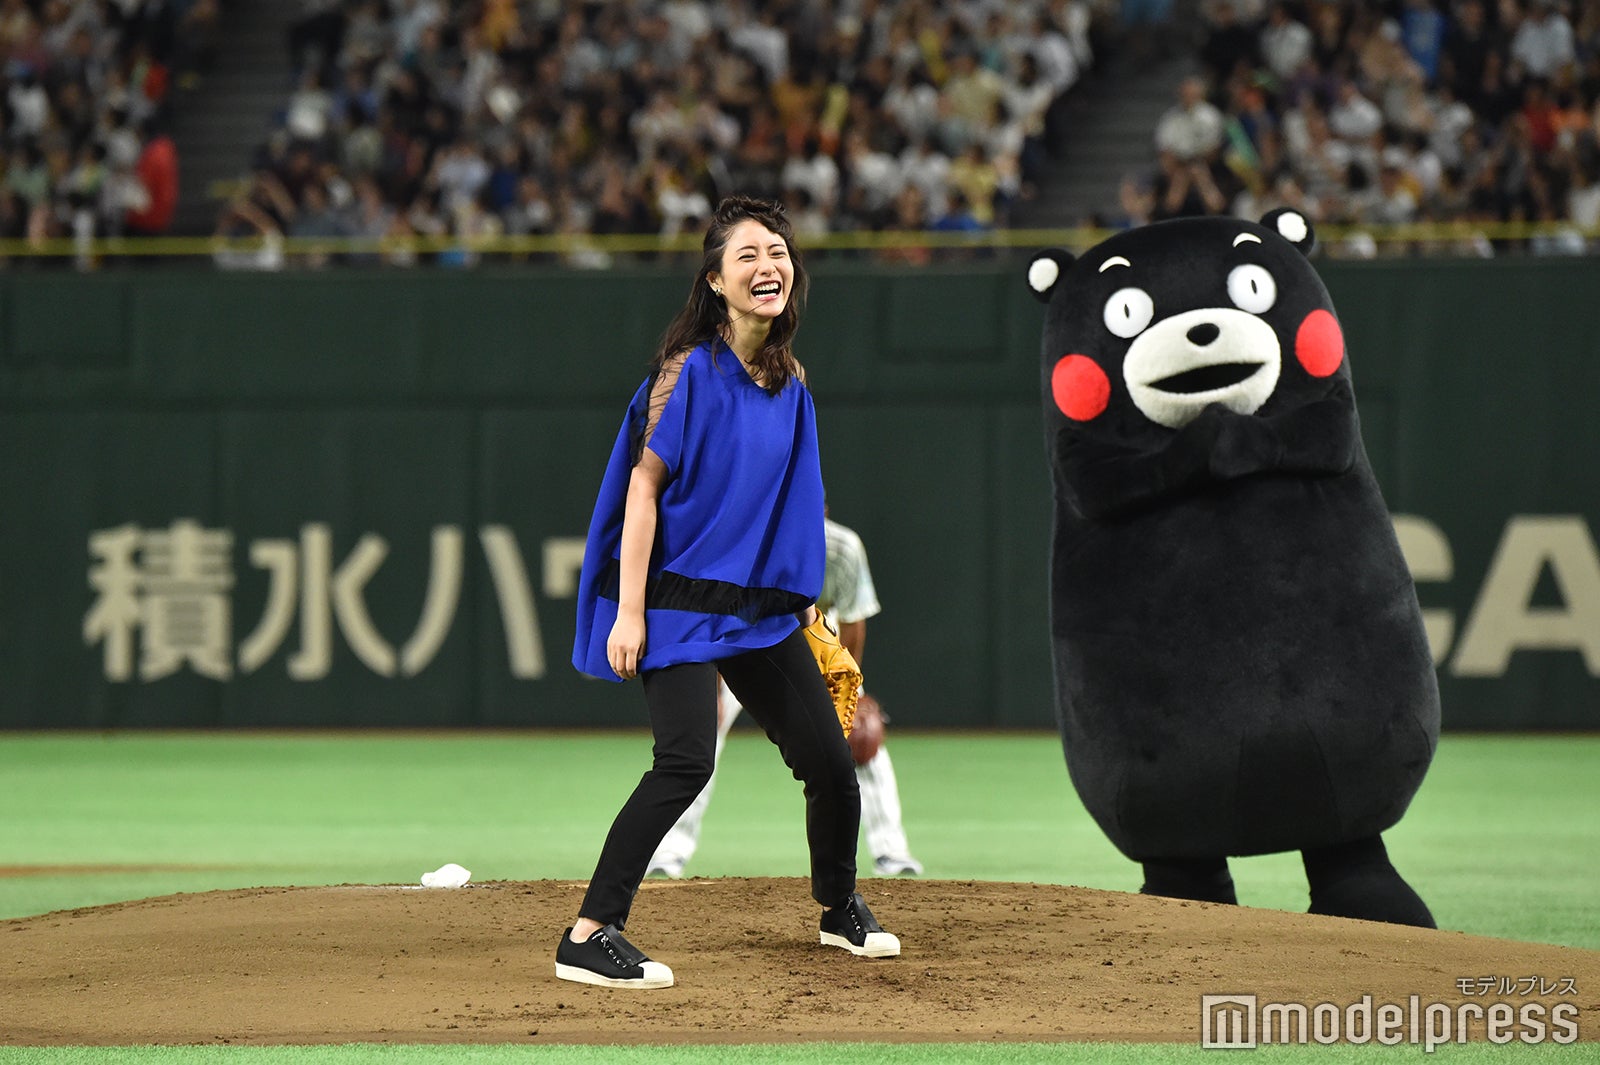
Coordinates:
(1203, 334)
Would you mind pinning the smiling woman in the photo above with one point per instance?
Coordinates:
(748, 294)
(755, 282)
(704, 554)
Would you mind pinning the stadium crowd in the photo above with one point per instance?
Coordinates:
(1371, 113)
(457, 119)
(84, 89)
(634, 116)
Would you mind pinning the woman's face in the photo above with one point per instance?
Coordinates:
(757, 273)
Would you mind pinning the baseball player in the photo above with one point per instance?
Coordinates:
(849, 599)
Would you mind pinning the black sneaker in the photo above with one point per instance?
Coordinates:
(607, 960)
(853, 927)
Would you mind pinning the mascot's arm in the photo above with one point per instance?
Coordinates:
(1219, 445)
(1318, 438)
(1106, 480)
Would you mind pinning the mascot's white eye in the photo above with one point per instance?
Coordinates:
(1128, 311)
(1252, 289)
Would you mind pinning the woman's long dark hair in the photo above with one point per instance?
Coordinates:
(705, 314)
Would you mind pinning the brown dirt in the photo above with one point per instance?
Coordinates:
(982, 961)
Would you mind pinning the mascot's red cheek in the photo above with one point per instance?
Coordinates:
(1320, 344)
(1081, 389)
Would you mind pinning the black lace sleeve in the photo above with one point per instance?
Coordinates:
(661, 386)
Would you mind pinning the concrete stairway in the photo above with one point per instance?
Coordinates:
(1110, 134)
(219, 125)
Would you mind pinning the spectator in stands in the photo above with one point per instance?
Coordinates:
(460, 173)
(1188, 187)
(1256, 201)
(1253, 152)
(531, 212)
(1230, 44)
(1543, 43)
(815, 171)
(17, 24)
(28, 181)
(966, 102)
(1028, 101)
(681, 206)
(1422, 30)
(958, 216)
(1353, 117)
(1286, 43)
(1135, 205)
(974, 176)
(1392, 201)
(309, 116)
(1192, 129)
(910, 215)
(912, 103)
(243, 218)
(316, 217)
(1451, 120)
(157, 172)
(1330, 25)
(1468, 44)
(923, 165)
(872, 180)
(1583, 193)
(368, 36)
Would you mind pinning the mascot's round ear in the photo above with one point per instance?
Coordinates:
(1045, 270)
(1293, 227)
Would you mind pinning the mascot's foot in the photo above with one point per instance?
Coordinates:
(1357, 880)
(1201, 879)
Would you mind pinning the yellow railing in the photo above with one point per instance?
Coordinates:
(1439, 234)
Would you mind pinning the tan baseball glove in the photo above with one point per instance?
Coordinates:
(839, 670)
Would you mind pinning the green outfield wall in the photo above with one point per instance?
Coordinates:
(358, 498)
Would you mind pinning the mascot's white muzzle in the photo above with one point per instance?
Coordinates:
(1182, 364)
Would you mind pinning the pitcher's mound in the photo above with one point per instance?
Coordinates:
(981, 961)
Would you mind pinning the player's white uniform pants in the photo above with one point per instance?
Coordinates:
(880, 804)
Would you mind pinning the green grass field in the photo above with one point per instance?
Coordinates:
(1502, 841)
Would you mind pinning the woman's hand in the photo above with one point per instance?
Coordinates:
(625, 645)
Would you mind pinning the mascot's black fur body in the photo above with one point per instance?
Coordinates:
(1241, 666)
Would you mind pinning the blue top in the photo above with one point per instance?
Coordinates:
(739, 531)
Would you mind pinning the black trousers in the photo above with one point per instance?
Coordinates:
(783, 692)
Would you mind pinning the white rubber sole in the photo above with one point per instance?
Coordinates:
(655, 975)
(897, 868)
(878, 944)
